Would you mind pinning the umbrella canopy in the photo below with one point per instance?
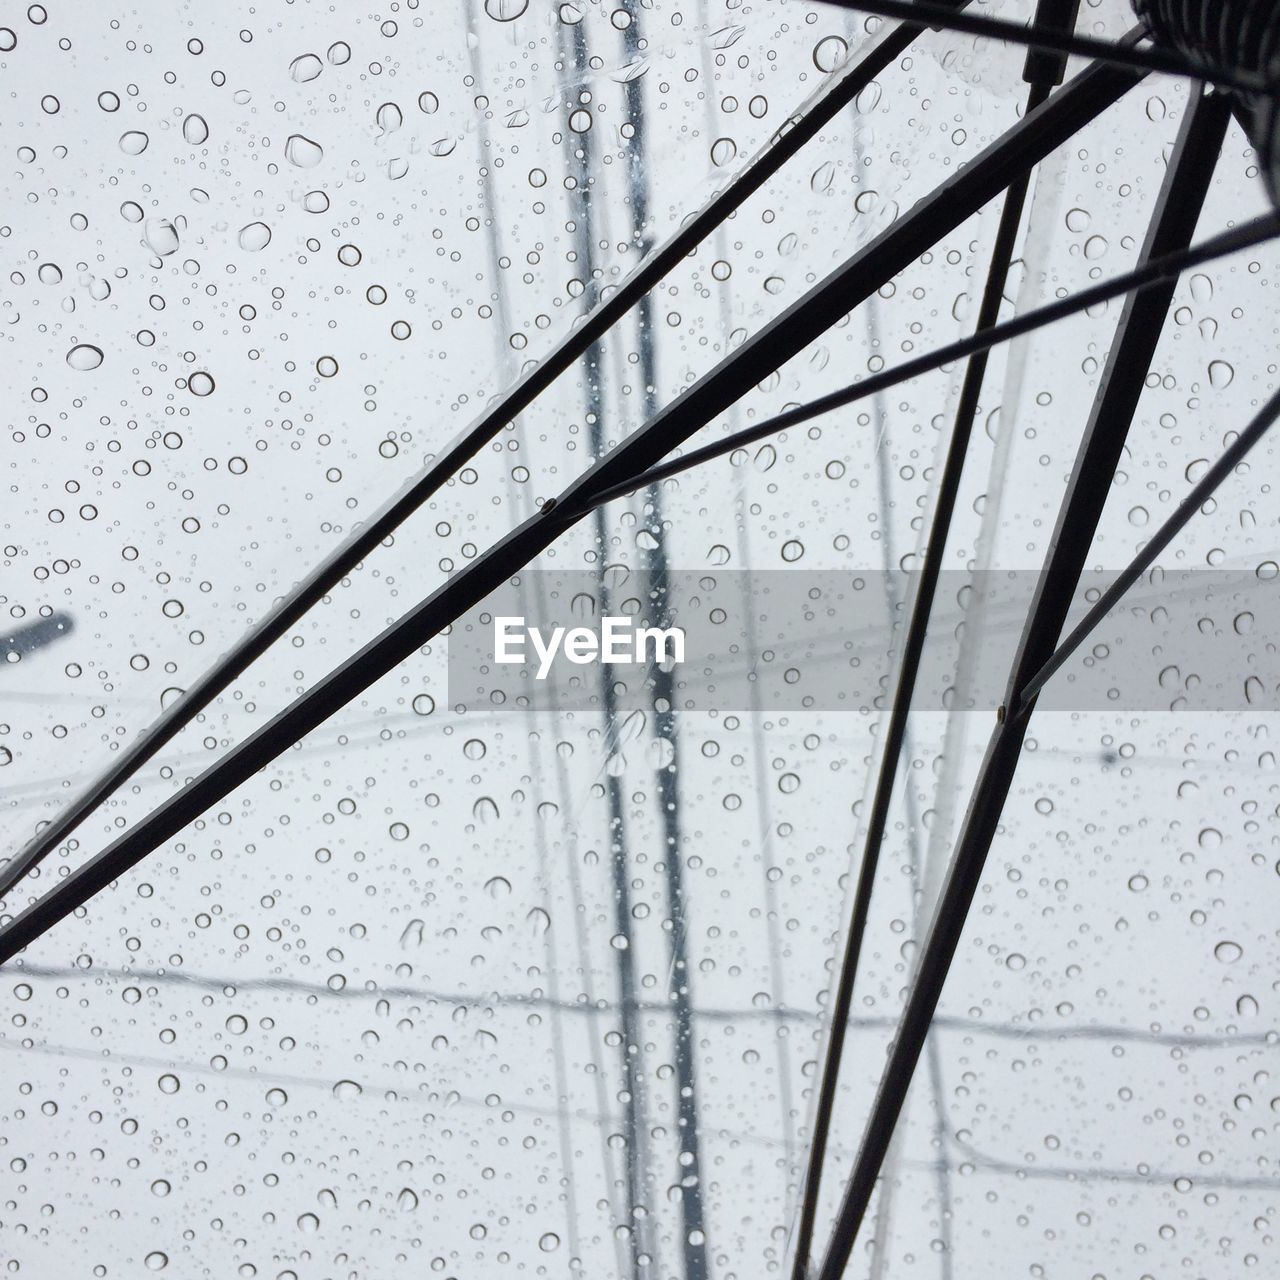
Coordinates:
(853, 921)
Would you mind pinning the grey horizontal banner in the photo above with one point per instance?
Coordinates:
(785, 640)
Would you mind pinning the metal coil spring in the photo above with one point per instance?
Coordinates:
(1232, 36)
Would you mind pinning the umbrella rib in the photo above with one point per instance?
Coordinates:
(1213, 478)
(1050, 39)
(1129, 360)
(1042, 75)
(826, 303)
(1148, 276)
(800, 128)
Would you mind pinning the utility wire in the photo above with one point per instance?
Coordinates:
(666, 728)
(578, 153)
(968, 1152)
(518, 498)
(970, 1028)
(750, 649)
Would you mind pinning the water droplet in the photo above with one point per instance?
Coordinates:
(830, 53)
(428, 103)
(723, 151)
(305, 67)
(389, 117)
(169, 1083)
(49, 273)
(349, 255)
(256, 236)
(200, 384)
(156, 1261)
(339, 53)
(346, 1090)
(302, 152)
(195, 130)
(84, 357)
(498, 887)
(549, 1242)
(134, 143)
(1221, 374)
(161, 237)
(1228, 952)
(407, 1200)
(424, 704)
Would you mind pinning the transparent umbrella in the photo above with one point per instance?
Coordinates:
(913, 365)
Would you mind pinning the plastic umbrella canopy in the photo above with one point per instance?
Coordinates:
(493, 974)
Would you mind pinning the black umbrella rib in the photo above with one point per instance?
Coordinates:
(1052, 40)
(1102, 445)
(1147, 276)
(1208, 484)
(878, 262)
(799, 129)
(1042, 75)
